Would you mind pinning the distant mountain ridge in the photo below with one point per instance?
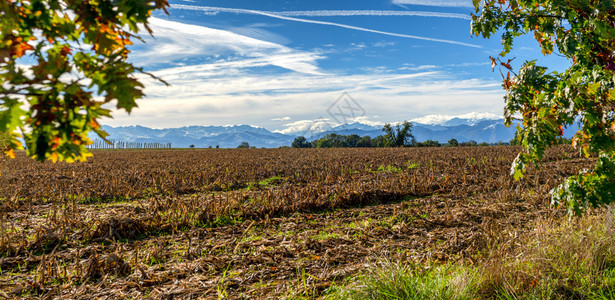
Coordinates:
(463, 130)
(201, 136)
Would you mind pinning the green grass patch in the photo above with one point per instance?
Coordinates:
(557, 259)
(385, 169)
(268, 182)
(404, 281)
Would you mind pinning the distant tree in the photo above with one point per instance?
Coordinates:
(398, 136)
(209, 147)
(301, 142)
(428, 143)
(244, 145)
(471, 143)
(324, 143)
(192, 146)
(453, 143)
(379, 141)
(365, 142)
(332, 140)
(484, 144)
(352, 140)
(217, 146)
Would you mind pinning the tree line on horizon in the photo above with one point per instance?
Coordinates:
(393, 136)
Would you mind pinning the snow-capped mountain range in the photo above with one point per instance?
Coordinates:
(488, 130)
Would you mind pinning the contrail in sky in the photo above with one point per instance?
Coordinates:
(279, 15)
(375, 13)
(440, 3)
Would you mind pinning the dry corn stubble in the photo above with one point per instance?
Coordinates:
(146, 221)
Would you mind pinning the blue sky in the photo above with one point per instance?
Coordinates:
(284, 64)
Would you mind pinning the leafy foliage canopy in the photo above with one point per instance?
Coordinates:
(60, 62)
(399, 135)
(583, 32)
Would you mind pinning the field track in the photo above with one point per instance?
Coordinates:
(255, 222)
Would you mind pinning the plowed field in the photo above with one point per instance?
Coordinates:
(255, 223)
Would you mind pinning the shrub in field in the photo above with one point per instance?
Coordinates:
(584, 33)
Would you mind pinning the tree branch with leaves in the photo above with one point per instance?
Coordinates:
(60, 62)
(548, 101)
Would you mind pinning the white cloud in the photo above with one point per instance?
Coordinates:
(281, 119)
(176, 41)
(366, 120)
(196, 97)
(216, 80)
(440, 119)
(384, 44)
(441, 3)
(308, 128)
(278, 16)
(296, 127)
(418, 68)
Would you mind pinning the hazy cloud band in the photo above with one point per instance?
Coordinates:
(278, 16)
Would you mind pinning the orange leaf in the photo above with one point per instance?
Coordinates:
(21, 48)
(10, 153)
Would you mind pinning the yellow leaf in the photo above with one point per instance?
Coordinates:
(85, 155)
(10, 153)
(54, 157)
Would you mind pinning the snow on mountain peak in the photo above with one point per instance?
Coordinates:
(447, 120)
